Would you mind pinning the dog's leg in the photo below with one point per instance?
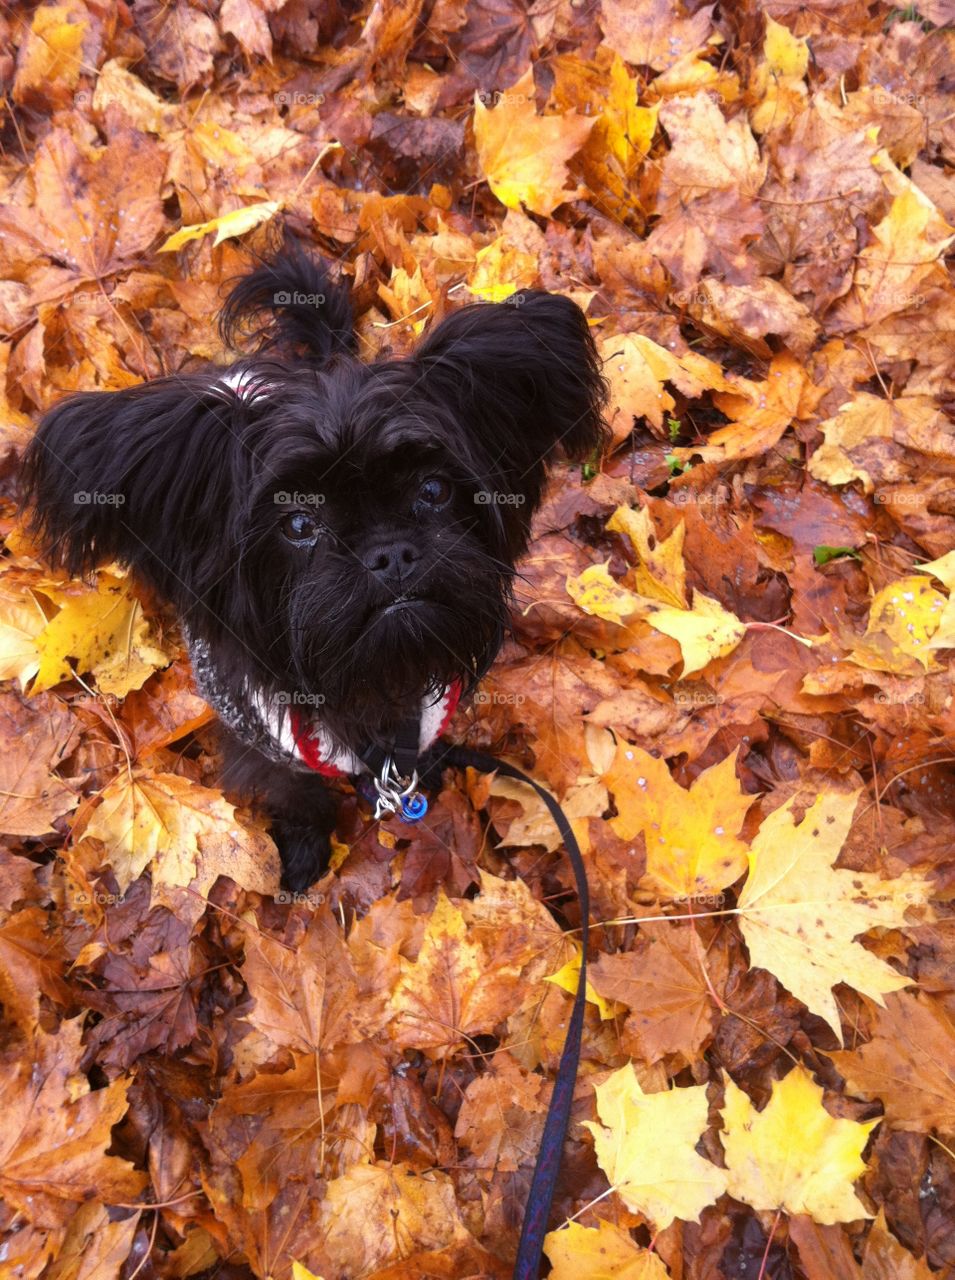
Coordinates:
(301, 807)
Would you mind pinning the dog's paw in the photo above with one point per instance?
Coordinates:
(305, 852)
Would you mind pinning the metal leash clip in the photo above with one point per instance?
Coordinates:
(399, 795)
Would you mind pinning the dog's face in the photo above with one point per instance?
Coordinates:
(336, 532)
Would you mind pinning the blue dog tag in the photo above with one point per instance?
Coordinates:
(413, 807)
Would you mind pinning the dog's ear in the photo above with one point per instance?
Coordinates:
(290, 305)
(522, 375)
(145, 476)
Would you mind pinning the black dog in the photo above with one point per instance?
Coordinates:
(337, 538)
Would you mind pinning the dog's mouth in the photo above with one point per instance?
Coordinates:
(402, 603)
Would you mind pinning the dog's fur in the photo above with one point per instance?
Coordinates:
(391, 458)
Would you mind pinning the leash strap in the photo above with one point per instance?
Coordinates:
(547, 1168)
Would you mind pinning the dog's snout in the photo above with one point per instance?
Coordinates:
(391, 560)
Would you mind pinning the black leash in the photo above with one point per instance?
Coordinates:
(395, 774)
(547, 1168)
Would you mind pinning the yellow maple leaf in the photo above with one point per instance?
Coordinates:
(52, 51)
(408, 297)
(903, 620)
(794, 1155)
(638, 367)
(101, 630)
(779, 78)
(165, 822)
(800, 915)
(704, 631)
(21, 622)
(500, 269)
(645, 1145)
(760, 412)
(944, 570)
(691, 836)
(661, 573)
(604, 1252)
(523, 155)
(301, 1272)
(867, 417)
(568, 977)
(597, 593)
(235, 223)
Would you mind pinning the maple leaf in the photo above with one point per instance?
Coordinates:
(502, 1116)
(31, 961)
(102, 631)
(907, 1064)
(704, 630)
(779, 78)
(21, 621)
(373, 1209)
(638, 369)
(568, 977)
(669, 987)
(604, 1252)
(800, 915)
(185, 833)
(448, 992)
(655, 34)
(661, 572)
(794, 1155)
(56, 1131)
(523, 155)
(691, 836)
(32, 795)
(645, 1145)
(903, 620)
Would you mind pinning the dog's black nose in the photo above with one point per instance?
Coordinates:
(391, 560)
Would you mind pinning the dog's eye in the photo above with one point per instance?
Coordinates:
(435, 493)
(300, 526)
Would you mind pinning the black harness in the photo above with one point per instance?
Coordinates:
(395, 778)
